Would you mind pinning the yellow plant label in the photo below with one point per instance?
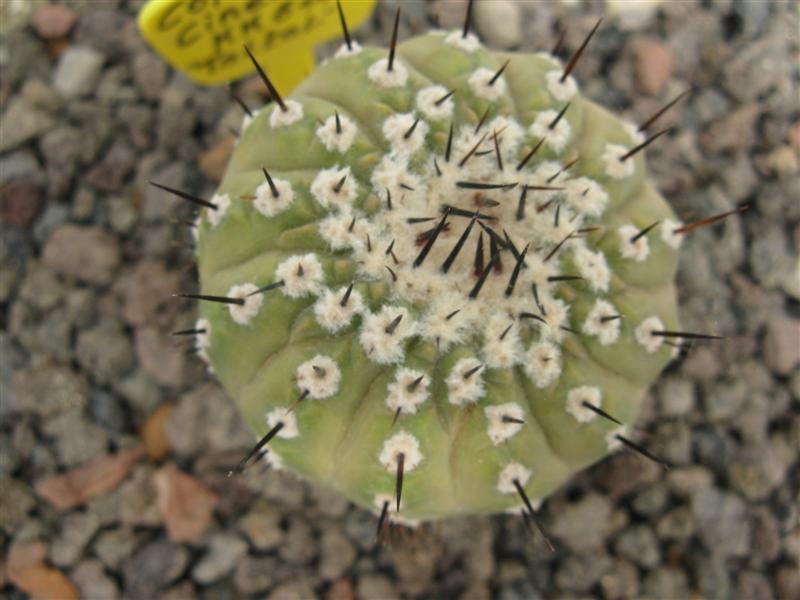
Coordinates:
(205, 38)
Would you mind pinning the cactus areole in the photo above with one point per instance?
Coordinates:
(443, 279)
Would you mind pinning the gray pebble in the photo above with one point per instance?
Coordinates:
(639, 544)
(76, 530)
(722, 523)
(93, 582)
(16, 502)
(782, 344)
(224, 552)
(676, 396)
(114, 545)
(579, 573)
(150, 74)
(139, 391)
(336, 554)
(105, 352)
(499, 23)
(154, 565)
(22, 122)
(666, 582)
(77, 439)
(48, 388)
(711, 576)
(298, 547)
(583, 525)
(676, 525)
(86, 253)
(255, 574)
(77, 72)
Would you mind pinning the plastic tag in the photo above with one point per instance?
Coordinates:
(205, 39)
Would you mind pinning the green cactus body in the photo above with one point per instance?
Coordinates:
(414, 314)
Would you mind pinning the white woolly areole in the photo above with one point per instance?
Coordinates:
(343, 51)
(561, 91)
(509, 134)
(273, 460)
(501, 353)
(244, 313)
(499, 429)
(215, 215)
(614, 167)
(381, 343)
(612, 443)
(390, 172)
(437, 328)
(463, 390)
(301, 275)
(671, 239)
(378, 73)
(284, 118)
(405, 394)
(396, 128)
(479, 81)
(339, 141)
(267, 204)
(558, 136)
(247, 120)
(644, 334)
(592, 267)
(202, 341)
(577, 396)
(330, 313)
(400, 443)
(543, 363)
(586, 196)
(510, 473)
(555, 312)
(289, 420)
(607, 332)
(427, 99)
(326, 183)
(320, 376)
(340, 229)
(637, 137)
(469, 44)
(195, 228)
(638, 250)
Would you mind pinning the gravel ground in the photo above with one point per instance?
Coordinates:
(114, 442)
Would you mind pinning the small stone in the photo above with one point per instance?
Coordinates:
(782, 345)
(765, 537)
(676, 396)
(214, 161)
(336, 554)
(579, 573)
(137, 499)
(77, 439)
(22, 555)
(53, 21)
(734, 131)
(666, 582)
(712, 577)
(262, 526)
(72, 488)
(651, 501)
(584, 525)
(343, 590)
(155, 565)
(158, 357)
(722, 523)
(115, 545)
(225, 551)
(757, 469)
(140, 392)
(47, 388)
(293, 590)
(20, 202)
(150, 74)
(677, 525)
(499, 23)
(76, 531)
(185, 504)
(725, 400)
(372, 585)
(22, 122)
(93, 582)
(298, 547)
(109, 174)
(16, 502)
(639, 544)
(104, 351)
(787, 582)
(654, 66)
(254, 574)
(77, 72)
(86, 253)
(621, 581)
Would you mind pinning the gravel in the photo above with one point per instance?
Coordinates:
(88, 266)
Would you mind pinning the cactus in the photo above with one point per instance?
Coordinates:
(436, 278)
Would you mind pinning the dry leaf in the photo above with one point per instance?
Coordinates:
(154, 433)
(73, 488)
(186, 505)
(45, 583)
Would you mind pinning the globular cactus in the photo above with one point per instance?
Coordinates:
(436, 278)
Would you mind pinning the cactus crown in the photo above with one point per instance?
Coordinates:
(439, 278)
